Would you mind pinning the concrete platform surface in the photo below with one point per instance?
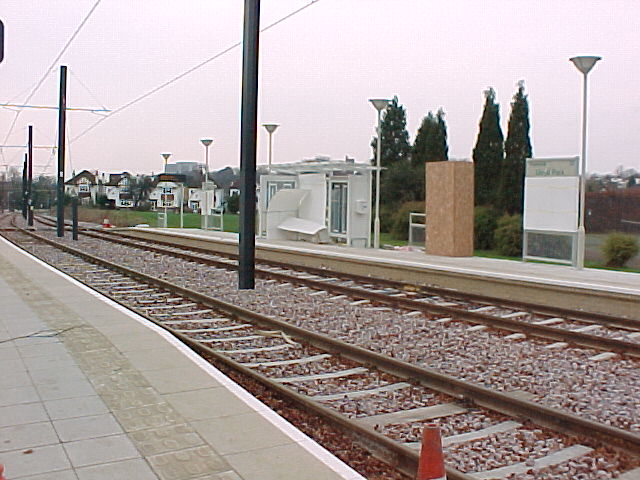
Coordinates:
(598, 291)
(90, 391)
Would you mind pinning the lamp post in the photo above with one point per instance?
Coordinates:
(164, 197)
(271, 127)
(380, 104)
(206, 142)
(584, 65)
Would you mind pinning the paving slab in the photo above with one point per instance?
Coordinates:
(94, 451)
(82, 401)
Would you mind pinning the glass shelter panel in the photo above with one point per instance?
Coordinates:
(338, 207)
(274, 186)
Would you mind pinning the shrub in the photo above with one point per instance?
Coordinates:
(233, 203)
(400, 227)
(143, 206)
(485, 223)
(619, 248)
(508, 235)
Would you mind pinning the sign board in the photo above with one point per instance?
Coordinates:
(551, 209)
(551, 203)
(552, 167)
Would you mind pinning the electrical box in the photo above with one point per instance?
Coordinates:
(362, 207)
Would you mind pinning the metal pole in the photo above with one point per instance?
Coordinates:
(206, 192)
(583, 179)
(247, 240)
(270, 149)
(206, 162)
(24, 185)
(74, 218)
(30, 177)
(166, 218)
(181, 206)
(376, 222)
(62, 117)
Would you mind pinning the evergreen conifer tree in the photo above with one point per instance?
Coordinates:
(420, 154)
(395, 156)
(395, 138)
(488, 153)
(517, 149)
(441, 138)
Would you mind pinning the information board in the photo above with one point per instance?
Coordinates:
(551, 209)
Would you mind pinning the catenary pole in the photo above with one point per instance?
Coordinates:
(248, 133)
(62, 117)
(74, 218)
(30, 177)
(24, 185)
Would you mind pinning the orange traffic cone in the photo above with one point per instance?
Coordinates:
(2, 477)
(105, 224)
(431, 466)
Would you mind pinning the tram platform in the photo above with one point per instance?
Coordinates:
(596, 290)
(91, 391)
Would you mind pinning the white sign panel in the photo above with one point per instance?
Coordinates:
(552, 167)
(551, 203)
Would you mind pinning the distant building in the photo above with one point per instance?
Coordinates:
(169, 191)
(118, 190)
(184, 168)
(85, 185)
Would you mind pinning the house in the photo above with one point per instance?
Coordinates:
(118, 190)
(85, 185)
(201, 196)
(226, 184)
(169, 191)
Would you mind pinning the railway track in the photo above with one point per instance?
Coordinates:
(606, 333)
(335, 379)
(577, 380)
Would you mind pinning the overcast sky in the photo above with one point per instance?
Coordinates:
(317, 71)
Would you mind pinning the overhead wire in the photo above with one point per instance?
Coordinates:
(185, 73)
(93, 95)
(53, 64)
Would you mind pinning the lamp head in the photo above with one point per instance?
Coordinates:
(271, 127)
(379, 103)
(585, 63)
(165, 156)
(206, 141)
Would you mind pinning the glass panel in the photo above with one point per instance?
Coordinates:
(548, 245)
(274, 186)
(338, 212)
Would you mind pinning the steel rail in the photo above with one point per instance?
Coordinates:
(586, 317)
(399, 456)
(583, 316)
(597, 342)
(552, 418)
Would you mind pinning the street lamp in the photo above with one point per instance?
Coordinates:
(271, 127)
(380, 104)
(164, 197)
(206, 142)
(584, 65)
